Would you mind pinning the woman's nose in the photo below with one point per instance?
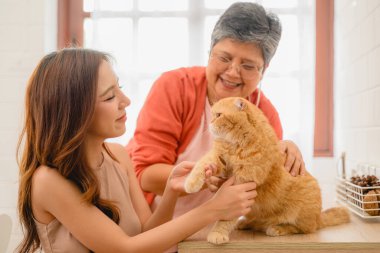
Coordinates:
(125, 101)
(233, 69)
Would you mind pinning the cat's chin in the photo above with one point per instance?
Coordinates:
(213, 132)
(216, 136)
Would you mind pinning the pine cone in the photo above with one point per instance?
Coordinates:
(370, 197)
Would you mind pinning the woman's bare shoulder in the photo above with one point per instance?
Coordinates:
(120, 154)
(45, 183)
(46, 179)
(45, 175)
(50, 190)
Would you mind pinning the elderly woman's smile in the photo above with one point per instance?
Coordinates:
(234, 69)
(228, 84)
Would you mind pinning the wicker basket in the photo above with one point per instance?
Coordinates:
(356, 198)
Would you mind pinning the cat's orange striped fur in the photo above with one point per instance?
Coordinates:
(246, 146)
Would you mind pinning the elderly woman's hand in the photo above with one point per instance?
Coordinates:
(294, 163)
(213, 182)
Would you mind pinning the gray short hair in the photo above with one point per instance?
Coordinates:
(249, 22)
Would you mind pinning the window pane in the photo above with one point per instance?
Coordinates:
(218, 4)
(224, 4)
(113, 5)
(279, 3)
(159, 43)
(88, 32)
(162, 44)
(107, 5)
(113, 35)
(88, 5)
(163, 5)
(284, 93)
(210, 22)
(136, 92)
(286, 59)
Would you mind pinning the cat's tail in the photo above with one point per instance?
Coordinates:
(334, 216)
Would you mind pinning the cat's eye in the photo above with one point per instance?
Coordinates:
(217, 115)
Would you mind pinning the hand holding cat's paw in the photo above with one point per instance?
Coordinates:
(179, 175)
(217, 237)
(212, 181)
(193, 184)
(195, 180)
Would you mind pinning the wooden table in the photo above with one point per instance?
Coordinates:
(359, 235)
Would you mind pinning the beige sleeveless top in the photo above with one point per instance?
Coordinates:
(114, 185)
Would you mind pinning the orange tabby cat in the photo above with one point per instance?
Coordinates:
(246, 147)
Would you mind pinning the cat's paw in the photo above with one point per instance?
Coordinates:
(217, 238)
(193, 185)
(273, 231)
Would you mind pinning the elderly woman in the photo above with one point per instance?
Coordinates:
(173, 123)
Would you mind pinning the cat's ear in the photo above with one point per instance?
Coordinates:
(239, 103)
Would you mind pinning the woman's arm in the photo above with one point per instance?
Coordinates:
(154, 177)
(57, 196)
(173, 189)
(165, 210)
(229, 202)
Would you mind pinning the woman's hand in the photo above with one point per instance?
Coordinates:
(232, 201)
(213, 182)
(294, 163)
(178, 176)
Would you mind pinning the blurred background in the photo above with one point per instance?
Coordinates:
(323, 80)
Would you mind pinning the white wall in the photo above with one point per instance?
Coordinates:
(26, 34)
(356, 92)
(357, 80)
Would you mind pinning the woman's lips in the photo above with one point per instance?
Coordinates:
(229, 85)
(122, 118)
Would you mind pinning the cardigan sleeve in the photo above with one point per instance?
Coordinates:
(168, 119)
(158, 127)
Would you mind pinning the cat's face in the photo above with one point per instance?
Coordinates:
(230, 119)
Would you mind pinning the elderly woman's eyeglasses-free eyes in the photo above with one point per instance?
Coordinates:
(247, 71)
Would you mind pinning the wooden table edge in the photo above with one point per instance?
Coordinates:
(279, 245)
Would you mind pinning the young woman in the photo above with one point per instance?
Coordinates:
(80, 194)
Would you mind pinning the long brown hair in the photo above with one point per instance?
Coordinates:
(59, 106)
